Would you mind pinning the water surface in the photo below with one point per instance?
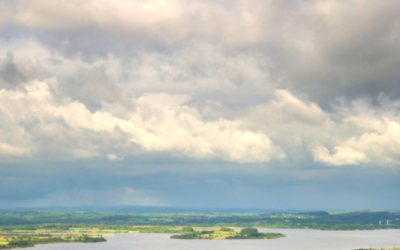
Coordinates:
(297, 239)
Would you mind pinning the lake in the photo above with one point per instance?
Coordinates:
(297, 239)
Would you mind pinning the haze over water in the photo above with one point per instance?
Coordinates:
(297, 239)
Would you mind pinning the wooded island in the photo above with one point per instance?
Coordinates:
(226, 233)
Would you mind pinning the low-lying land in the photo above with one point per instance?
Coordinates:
(37, 221)
(25, 228)
(225, 233)
(30, 240)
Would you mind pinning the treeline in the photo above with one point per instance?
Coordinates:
(186, 236)
(155, 230)
(252, 233)
(257, 236)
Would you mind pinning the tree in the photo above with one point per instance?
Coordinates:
(248, 230)
(187, 229)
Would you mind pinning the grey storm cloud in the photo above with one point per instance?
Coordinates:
(193, 88)
(327, 49)
(10, 73)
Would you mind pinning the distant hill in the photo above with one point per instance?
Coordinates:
(316, 213)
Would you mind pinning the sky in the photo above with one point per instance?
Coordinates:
(266, 104)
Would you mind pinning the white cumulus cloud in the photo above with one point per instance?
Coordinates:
(37, 117)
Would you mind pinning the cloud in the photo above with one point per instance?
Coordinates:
(236, 52)
(7, 149)
(265, 90)
(41, 119)
(342, 156)
(40, 122)
(129, 191)
(284, 74)
(295, 124)
(113, 157)
(9, 72)
(380, 147)
(356, 134)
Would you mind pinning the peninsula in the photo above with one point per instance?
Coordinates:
(30, 240)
